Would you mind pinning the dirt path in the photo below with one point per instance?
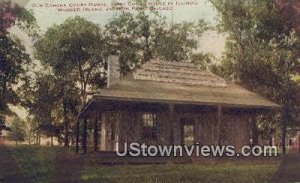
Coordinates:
(68, 167)
(10, 171)
(289, 170)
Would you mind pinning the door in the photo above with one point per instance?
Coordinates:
(187, 131)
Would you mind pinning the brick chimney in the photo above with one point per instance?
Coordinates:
(113, 71)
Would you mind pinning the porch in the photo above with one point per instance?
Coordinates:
(106, 125)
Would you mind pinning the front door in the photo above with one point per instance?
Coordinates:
(187, 131)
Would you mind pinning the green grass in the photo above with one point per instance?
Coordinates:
(218, 173)
(37, 163)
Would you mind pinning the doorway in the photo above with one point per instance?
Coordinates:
(187, 131)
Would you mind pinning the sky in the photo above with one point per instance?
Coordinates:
(47, 14)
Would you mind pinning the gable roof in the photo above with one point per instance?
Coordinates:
(185, 83)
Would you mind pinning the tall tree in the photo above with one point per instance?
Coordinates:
(75, 49)
(42, 105)
(13, 56)
(261, 52)
(67, 94)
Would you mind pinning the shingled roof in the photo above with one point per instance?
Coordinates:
(184, 83)
(177, 72)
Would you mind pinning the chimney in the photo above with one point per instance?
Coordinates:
(113, 71)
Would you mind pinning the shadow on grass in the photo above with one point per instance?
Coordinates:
(36, 162)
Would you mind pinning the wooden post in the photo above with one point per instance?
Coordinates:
(118, 131)
(197, 138)
(254, 130)
(77, 135)
(96, 130)
(173, 125)
(219, 125)
(103, 133)
(84, 136)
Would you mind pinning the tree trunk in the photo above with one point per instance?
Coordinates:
(284, 121)
(84, 136)
(271, 141)
(77, 135)
(66, 125)
(96, 134)
(29, 138)
(51, 140)
(299, 140)
(283, 137)
(37, 138)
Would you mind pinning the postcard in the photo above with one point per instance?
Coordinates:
(157, 91)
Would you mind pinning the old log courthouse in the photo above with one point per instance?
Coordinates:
(169, 103)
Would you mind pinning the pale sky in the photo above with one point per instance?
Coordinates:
(47, 16)
(211, 42)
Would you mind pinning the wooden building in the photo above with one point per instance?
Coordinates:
(170, 103)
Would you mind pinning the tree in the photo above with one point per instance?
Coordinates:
(42, 104)
(75, 48)
(18, 130)
(138, 38)
(53, 102)
(261, 52)
(13, 57)
(67, 103)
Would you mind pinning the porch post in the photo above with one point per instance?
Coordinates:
(254, 130)
(172, 121)
(219, 125)
(84, 138)
(103, 133)
(96, 130)
(77, 135)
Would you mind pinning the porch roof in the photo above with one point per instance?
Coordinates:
(184, 83)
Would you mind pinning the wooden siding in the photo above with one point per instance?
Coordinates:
(127, 125)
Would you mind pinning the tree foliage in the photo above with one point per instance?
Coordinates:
(53, 102)
(137, 38)
(261, 54)
(75, 48)
(17, 130)
(14, 60)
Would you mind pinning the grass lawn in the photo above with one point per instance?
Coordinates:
(218, 173)
(37, 163)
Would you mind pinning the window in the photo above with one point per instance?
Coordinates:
(150, 127)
